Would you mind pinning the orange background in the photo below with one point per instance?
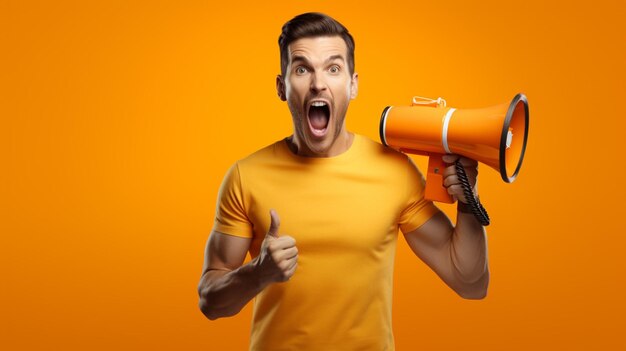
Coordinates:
(120, 118)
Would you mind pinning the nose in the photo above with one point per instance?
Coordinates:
(318, 82)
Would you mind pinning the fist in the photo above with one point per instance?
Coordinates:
(451, 179)
(278, 258)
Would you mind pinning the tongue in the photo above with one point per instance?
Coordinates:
(318, 118)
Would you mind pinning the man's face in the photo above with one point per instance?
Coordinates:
(318, 88)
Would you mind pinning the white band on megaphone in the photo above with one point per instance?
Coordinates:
(444, 130)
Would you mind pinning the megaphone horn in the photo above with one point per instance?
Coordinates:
(495, 136)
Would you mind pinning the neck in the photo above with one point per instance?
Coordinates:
(340, 145)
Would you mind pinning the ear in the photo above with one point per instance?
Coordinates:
(280, 88)
(354, 87)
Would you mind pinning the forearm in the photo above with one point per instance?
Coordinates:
(224, 293)
(468, 252)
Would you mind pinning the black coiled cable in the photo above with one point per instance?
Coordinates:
(472, 201)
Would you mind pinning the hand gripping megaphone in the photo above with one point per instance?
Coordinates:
(495, 136)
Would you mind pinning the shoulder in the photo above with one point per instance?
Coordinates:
(256, 163)
(264, 164)
(376, 152)
(271, 152)
(389, 162)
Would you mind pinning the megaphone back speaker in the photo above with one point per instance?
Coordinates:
(495, 136)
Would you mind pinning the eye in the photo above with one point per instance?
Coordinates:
(334, 69)
(300, 70)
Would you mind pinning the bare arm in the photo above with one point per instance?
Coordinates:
(457, 254)
(226, 286)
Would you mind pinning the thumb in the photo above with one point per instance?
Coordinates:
(450, 158)
(274, 224)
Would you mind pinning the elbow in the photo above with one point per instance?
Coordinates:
(203, 302)
(206, 302)
(212, 303)
(206, 310)
(474, 294)
(213, 312)
(476, 290)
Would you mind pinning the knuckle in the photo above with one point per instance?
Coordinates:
(454, 189)
(449, 181)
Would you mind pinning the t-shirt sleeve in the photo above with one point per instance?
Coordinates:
(230, 212)
(417, 210)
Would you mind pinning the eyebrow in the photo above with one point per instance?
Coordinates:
(299, 58)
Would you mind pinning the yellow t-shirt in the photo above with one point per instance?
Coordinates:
(344, 213)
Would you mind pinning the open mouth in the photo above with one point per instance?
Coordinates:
(319, 116)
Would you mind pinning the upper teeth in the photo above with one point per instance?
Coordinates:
(318, 103)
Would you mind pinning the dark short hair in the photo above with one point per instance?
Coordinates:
(312, 24)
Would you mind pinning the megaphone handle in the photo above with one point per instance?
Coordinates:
(473, 201)
(435, 191)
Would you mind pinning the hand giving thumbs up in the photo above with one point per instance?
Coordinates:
(278, 258)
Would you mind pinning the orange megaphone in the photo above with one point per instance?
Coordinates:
(495, 136)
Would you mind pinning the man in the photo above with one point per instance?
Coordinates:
(319, 213)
